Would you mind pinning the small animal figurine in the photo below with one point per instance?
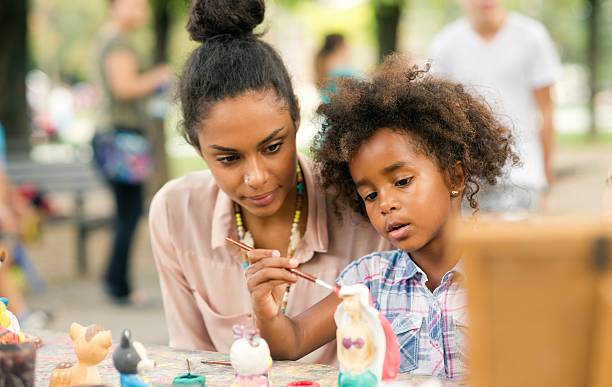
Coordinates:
(367, 347)
(91, 345)
(130, 359)
(250, 357)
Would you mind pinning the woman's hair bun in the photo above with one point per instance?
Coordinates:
(208, 18)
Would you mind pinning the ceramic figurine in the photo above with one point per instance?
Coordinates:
(367, 347)
(7, 318)
(91, 345)
(130, 359)
(250, 357)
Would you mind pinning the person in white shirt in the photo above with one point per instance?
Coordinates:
(512, 62)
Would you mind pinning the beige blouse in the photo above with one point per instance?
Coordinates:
(202, 280)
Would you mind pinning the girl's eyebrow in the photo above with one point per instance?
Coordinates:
(394, 167)
(260, 143)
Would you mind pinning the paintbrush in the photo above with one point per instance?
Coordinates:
(217, 362)
(297, 272)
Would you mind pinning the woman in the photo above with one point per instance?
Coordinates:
(333, 61)
(124, 90)
(240, 113)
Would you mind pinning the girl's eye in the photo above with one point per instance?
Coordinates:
(227, 159)
(371, 196)
(273, 148)
(403, 182)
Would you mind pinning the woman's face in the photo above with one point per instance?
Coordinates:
(249, 145)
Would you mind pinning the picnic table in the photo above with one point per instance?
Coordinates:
(172, 362)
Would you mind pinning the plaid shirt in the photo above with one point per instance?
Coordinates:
(430, 326)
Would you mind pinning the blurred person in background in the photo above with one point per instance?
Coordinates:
(125, 88)
(512, 62)
(12, 208)
(333, 60)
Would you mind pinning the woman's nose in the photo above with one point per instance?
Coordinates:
(256, 176)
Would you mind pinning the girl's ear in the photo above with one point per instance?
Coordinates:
(456, 179)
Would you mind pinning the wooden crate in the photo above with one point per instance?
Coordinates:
(540, 302)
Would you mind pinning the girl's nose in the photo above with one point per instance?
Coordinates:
(388, 204)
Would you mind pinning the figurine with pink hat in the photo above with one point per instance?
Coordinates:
(367, 347)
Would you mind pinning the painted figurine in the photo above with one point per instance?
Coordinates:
(367, 347)
(91, 345)
(130, 359)
(7, 318)
(250, 357)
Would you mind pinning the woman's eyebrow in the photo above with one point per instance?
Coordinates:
(260, 143)
(270, 136)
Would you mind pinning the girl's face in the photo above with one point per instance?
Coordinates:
(248, 143)
(406, 196)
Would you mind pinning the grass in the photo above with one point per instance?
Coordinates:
(583, 138)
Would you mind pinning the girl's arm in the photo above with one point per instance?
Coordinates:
(289, 339)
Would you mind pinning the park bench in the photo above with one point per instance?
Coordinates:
(75, 178)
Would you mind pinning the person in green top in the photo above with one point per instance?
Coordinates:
(124, 87)
(333, 61)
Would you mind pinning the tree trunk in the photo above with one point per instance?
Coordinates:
(593, 57)
(13, 68)
(161, 17)
(387, 23)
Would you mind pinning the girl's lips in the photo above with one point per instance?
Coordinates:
(400, 233)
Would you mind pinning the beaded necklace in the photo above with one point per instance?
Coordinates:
(294, 238)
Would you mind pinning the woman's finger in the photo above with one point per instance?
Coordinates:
(259, 254)
(278, 263)
(255, 279)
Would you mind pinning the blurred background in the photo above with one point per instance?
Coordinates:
(48, 102)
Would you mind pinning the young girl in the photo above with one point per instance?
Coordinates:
(241, 115)
(403, 149)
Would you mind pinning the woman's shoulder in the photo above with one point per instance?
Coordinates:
(197, 188)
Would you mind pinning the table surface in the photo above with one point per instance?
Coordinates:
(171, 362)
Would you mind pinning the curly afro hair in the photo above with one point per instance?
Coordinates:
(447, 123)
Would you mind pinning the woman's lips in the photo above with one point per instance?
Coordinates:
(263, 199)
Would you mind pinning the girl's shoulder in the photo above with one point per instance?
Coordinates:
(371, 267)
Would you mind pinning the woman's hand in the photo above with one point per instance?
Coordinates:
(267, 278)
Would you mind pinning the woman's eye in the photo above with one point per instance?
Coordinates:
(274, 147)
(403, 182)
(369, 197)
(227, 159)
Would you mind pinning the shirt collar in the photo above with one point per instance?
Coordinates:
(406, 269)
(315, 239)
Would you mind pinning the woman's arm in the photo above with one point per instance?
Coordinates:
(186, 326)
(125, 80)
(289, 339)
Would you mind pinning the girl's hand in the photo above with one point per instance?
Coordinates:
(267, 278)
